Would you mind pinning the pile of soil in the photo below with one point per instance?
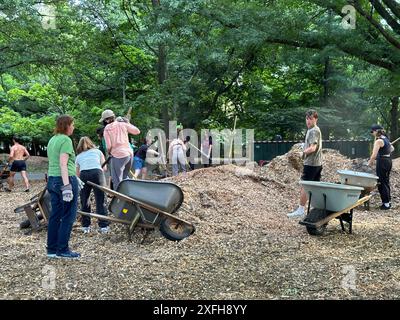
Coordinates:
(244, 246)
(34, 163)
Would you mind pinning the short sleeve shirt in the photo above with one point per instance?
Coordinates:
(142, 152)
(313, 136)
(89, 159)
(58, 144)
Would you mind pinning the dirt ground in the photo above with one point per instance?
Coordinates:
(244, 246)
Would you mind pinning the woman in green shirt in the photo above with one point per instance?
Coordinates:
(63, 188)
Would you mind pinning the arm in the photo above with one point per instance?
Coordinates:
(64, 168)
(153, 152)
(11, 156)
(102, 160)
(377, 145)
(311, 149)
(26, 154)
(183, 145)
(132, 129)
(78, 171)
(107, 140)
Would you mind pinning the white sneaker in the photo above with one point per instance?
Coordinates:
(85, 229)
(297, 213)
(104, 230)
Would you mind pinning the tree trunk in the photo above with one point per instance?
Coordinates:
(162, 71)
(124, 92)
(162, 76)
(326, 80)
(394, 124)
(325, 130)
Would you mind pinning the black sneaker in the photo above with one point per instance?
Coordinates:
(7, 189)
(27, 190)
(383, 207)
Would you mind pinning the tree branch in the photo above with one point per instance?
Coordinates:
(386, 15)
(357, 52)
(394, 7)
(113, 36)
(135, 25)
(379, 27)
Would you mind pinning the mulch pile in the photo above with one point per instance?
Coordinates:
(244, 246)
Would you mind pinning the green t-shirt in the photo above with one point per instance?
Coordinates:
(58, 144)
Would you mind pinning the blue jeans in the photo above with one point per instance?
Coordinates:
(96, 176)
(62, 216)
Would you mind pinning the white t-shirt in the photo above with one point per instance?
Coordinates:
(89, 159)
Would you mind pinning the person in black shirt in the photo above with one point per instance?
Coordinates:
(140, 158)
(187, 143)
(206, 149)
(381, 152)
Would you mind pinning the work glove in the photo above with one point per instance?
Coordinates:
(122, 119)
(67, 193)
(81, 184)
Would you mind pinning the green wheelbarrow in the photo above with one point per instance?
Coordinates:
(146, 204)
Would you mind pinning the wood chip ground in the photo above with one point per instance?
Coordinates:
(244, 246)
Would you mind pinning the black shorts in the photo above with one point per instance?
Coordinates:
(311, 173)
(18, 166)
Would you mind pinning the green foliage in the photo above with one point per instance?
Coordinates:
(264, 62)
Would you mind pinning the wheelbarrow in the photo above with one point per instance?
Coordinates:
(146, 204)
(4, 174)
(328, 201)
(37, 210)
(361, 179)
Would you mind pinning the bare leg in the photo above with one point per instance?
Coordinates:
(303, 197)
(144, 173)
(25, 177)
(10, 180)
(137, 173)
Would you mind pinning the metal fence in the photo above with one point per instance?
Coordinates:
(267, 150)
(263, 150)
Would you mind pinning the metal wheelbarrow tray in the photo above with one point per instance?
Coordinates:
(4, 174)
(37, 209)
(328, 201)
(147, 204)
(361, 179)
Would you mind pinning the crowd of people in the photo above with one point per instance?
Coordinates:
(70, 172)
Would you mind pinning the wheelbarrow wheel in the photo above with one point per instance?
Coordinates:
(25, 224)
(313, 216)
(175, 230)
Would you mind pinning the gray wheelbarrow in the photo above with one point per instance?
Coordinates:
(365, 180)
(146, 204)
(328, 201)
